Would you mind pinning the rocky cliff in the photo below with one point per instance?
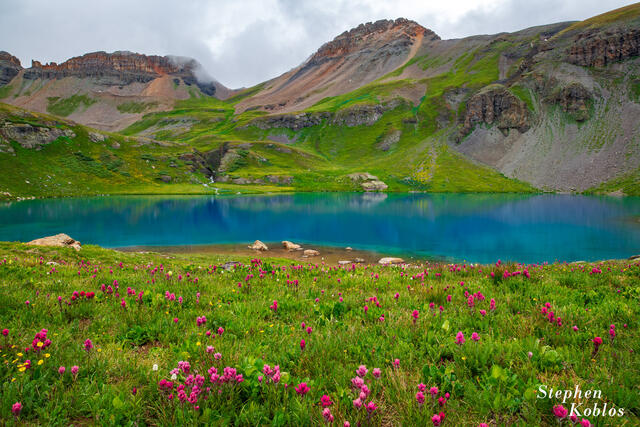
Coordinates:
(496, 106)
(123, 68)
(350, 117)
(596, 48)
(351, 60)
(9, 67)
(400, 34)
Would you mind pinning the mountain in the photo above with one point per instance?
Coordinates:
(349, 61)
(105, 90)
(386, 105)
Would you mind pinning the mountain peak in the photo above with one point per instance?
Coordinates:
(370, 34)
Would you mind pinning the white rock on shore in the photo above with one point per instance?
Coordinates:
(59, 240)
(290, 246)
(258, 246)
(390, 260)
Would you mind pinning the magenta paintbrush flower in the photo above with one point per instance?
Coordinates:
(16, 408)
(302, 389)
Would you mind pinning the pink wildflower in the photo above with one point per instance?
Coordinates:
(560, 411)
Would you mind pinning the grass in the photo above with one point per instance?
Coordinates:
(494, 380)
(135, 107)
(66, 106)
(524, 94)
(79, 167)
(627, 184)
(625, 13)
(319, 157)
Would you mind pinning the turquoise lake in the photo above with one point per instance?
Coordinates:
(470, 227)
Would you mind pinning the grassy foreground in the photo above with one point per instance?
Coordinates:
(146, 339)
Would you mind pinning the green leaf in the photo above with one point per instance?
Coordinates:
(117, 403)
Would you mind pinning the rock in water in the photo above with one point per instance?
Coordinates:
(311, 252)
(259, 246)
(291, 246)
(60, 240)
(390, 260)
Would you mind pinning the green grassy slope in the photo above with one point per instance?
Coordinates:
(411, 146)
(360, 315)
(78, 166)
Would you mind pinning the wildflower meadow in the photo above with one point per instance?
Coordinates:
(111, 338)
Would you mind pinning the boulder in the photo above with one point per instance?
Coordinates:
(230, 265)
(359, 260)
(258, 246)
(376, 185)
(97, 137)
(361, 176)
(634, 258)
(344, 262)
(390, 260)
(311, 252)
(291, 246)
(348, 248)
(33, 137)
(60, 240)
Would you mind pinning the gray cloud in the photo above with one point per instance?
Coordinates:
(241, 43)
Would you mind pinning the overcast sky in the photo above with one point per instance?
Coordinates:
(244, 42)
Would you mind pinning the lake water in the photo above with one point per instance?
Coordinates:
(471, 227)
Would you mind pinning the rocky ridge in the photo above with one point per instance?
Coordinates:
(354, 116)
(598, 48)
(122, 68)
(401, 30)
(9, 67)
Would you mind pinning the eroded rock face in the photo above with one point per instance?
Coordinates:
(9, 67)
(362, 114)
(573, 99)
(355, 116)
(121, 68)
(597, 49)
(29, 136)
(60, 240)
(291, 121)
(279, 179)
(496, 106)
(401, 31)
